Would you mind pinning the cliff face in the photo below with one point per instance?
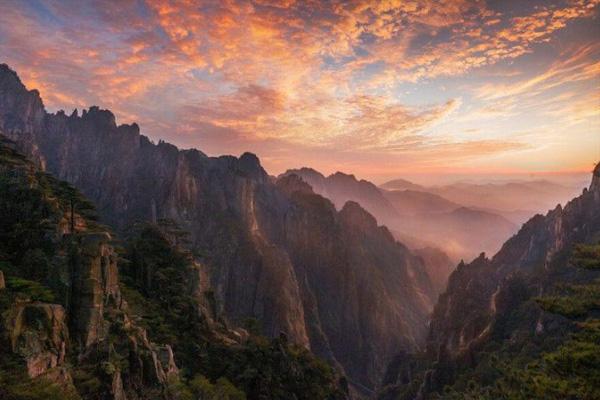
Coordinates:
(379, 285)
(62, 303)
(421, 220)
(491, 303)
(256, 239)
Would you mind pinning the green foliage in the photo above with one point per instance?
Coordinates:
(568, 369)
(578, 301)
(15, 384)
(253, 326)
(87, 383)
(24, 214)
(222, 389)
(30, 289)
(271, 369)
(586, 256)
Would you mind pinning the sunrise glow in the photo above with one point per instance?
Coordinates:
(381, 89)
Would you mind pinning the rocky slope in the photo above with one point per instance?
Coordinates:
(492, 309)
(254, 236)
(80, 321)
(333, 253)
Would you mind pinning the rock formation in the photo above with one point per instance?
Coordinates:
(78, 271)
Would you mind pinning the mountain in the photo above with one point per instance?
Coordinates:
(461, 231)
(274, 251)
(340, 188)
(534, 303)
(411, 202)
(83, 321)
(402, 184)
(422, 219)
(396, 209)
(517, 200)
(438, 266)
(514, 200)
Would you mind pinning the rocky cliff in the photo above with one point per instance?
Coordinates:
(256, 239)
(379, 285)
(62, 304)
(493, 309)
(79, 320)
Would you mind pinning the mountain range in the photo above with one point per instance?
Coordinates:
(331, 280)
(517, 201)
(418, 218)
(136, 270)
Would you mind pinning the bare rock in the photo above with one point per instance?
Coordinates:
(38, 332)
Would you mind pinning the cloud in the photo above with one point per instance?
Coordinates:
(574, 66)
(289, 74)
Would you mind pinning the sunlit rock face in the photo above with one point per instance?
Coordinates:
(493, 299)
(332, 281)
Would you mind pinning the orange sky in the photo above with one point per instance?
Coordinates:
(379, 89)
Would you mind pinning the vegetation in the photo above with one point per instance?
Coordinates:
(158, 288)
(566, 367)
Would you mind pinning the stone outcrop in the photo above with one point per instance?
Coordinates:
(94, 284)
(38, 332)
(252, 235)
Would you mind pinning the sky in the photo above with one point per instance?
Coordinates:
(413, 88)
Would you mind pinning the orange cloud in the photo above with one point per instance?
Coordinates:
(320, 75)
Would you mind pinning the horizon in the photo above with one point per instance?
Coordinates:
(478, 90)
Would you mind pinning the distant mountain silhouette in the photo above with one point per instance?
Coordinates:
(416, 217)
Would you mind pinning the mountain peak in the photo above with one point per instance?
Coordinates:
(595, 185)
(99, 115)
(341, 175)
(292, 183)
(357, 216)
(306, 173)
(401, 184)
(250, 164)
